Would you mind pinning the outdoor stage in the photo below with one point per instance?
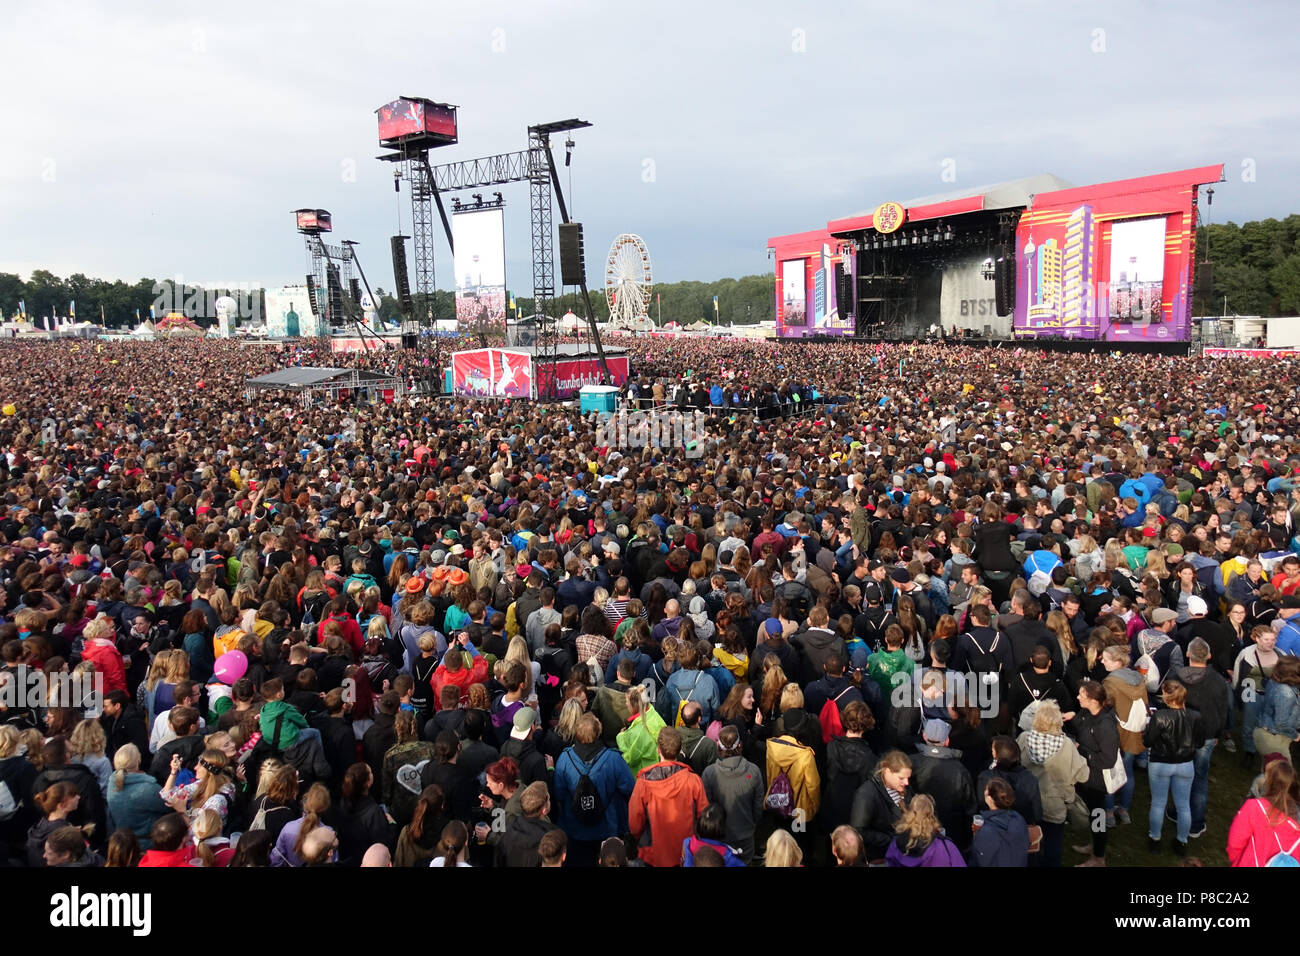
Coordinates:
(1022, 261)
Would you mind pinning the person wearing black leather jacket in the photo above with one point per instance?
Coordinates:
(1173, 736)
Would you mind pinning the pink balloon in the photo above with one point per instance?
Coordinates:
(230, 666)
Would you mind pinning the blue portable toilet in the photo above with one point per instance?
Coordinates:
(598, 398)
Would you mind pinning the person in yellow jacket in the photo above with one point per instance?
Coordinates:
(799, 762)
(639, 740)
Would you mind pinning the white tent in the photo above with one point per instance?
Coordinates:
(144, 330)
(570, 322)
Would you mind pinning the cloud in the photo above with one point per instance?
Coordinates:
(147, 140)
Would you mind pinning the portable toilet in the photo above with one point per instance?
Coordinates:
(598, 398)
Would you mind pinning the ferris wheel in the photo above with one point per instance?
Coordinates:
(627, 281)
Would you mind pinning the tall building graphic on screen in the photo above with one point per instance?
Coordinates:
(1077, 270)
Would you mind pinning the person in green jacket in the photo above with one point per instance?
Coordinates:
(280, 722)
(639, 740)
(883, 665)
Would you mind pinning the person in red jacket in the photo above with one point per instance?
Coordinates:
(1266, 825)
(170, 836)
(667, 800)
(101, 650)
(338, 612)
(455, 671)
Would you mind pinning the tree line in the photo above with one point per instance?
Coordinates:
(1255, 266)
(740, 301)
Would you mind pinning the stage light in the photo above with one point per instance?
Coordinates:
(947, 235)
(499, 199)
(397, 179)
(478, 199)
(455, 204)
(568, 151)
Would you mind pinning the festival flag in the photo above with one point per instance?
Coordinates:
(137, 315)
(72, 309)
(151, 313)
(22, 310)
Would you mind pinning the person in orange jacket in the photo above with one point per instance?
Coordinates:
(667, 800)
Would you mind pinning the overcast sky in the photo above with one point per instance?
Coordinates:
(162, 139)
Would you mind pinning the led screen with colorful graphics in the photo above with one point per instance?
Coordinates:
(806, 296)
(1106, 265)
(793, 311)
(480, 267)
(416, 119)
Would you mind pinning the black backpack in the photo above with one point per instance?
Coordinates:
(588, 807)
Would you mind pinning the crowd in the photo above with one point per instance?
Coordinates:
(948, 616)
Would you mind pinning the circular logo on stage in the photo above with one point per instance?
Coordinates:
(888, 217)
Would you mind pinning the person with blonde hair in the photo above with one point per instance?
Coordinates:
(212, 849)
(86, 746)
(920, 841)
(18, 774)
(213, 787)
(1057, 765)
(782, 851)
(144, 694)
(517, 653)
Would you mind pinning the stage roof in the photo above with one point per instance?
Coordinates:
(1014, 194)
(1006, 195)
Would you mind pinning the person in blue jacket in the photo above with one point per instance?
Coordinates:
(1003, 838)
(710, 829)
(613, 783)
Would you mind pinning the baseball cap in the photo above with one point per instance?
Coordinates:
(772, 625)
(1290, 601)
(1162, 615)
(1196, 606)
(900, 575)
(871, 593)
(936, 731)
(1174, 550)
(523, 723)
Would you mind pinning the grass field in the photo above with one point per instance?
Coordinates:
(1229, 785)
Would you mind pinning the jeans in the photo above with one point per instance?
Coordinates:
(1122, 798)
(1249, 721)
(1201, 783)
(309, 732)
(1163, 778)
